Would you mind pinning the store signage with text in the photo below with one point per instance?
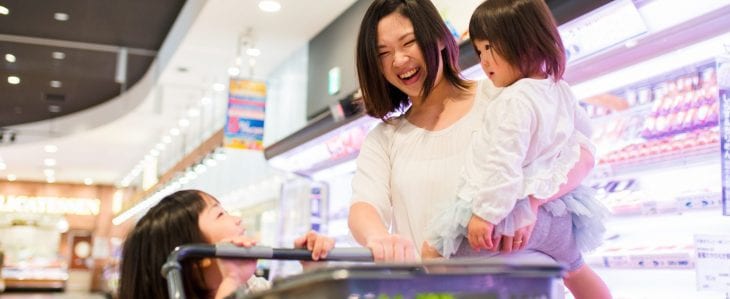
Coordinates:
(245, 116)
(49, 205)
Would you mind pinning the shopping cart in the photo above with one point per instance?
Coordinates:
(494, 278)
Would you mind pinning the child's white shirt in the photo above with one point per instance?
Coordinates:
(530, 139)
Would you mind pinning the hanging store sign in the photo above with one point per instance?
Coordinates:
(609, 25)
(49, 205)
(723, 82)
(245, 116)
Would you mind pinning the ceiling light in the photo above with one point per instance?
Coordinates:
(50, 148)
(205, 101)
(12, 177)
(160, 146)
(49, 162)
(58, 55)
(14, 80)
(167, 139)
(88, 181)
(60, 16)
(10, 58)
(234, 71)
(56, 84)
(269, 6)
(154, 152)
(174, 131)
(49, 172)
(50, 180)
(192, 112)
(3, 166)
(253, 52)
(219, 87)
(4, 10)
(183, 122)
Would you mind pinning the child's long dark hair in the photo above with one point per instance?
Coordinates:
(523, 32)
(170, 223)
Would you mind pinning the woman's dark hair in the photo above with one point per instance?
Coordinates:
(523, 32)
(170, 223)
(379, 96)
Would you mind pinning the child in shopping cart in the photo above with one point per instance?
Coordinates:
(187, 217)
(530, 139)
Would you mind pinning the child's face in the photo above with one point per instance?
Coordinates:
(497, 69)
(400, 56)
(216, 224)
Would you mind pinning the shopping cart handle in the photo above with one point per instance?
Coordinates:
(228, 250)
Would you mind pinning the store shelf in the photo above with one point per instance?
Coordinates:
(671, 158)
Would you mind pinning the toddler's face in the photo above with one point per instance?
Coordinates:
(216, 224)
(497, 69)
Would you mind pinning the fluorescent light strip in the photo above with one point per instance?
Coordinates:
(694, 54)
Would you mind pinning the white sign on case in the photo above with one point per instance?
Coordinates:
(713, 262)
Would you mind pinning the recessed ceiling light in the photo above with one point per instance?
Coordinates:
(12, 177)
(10, 58)
(88, 181)
(192, 112)
(60, 16)
(58, 55)
(49, 162)
(253, 52)
(234, 71)
(269, 6)
(4, 10)
(50, 148)
(56, 84)
(160, 146)
(14, 80)
(167, 139)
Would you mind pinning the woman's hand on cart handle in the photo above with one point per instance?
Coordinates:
(391, 248)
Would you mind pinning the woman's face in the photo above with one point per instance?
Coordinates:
(400, 56)
(216, 224)
(497, 69)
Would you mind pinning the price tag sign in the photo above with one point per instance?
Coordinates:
(713, 262)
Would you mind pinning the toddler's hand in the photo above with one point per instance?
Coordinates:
(318, 244)
(479, 233)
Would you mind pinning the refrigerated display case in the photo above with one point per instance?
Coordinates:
(653, 94)
(654, 78)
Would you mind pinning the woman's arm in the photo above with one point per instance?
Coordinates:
(364, 223)
(369, 231)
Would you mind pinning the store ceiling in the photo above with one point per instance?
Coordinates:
(88, 39)
(200, 58)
